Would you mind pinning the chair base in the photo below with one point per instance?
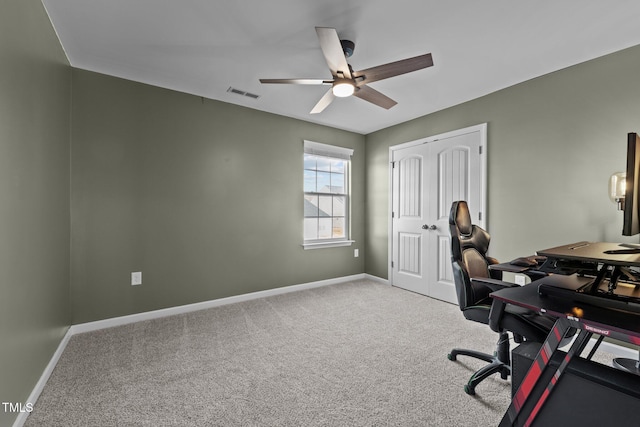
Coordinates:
(498, 363)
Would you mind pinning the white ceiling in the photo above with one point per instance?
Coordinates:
(203, 47)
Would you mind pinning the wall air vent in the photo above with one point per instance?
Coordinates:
(243, 93)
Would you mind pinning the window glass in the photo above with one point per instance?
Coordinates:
(326, 198)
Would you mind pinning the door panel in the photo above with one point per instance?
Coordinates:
(409, 206)
(427, 178)
(453, 168)
(410, 254)
(445, 273)
(410, 176)
(453, 176)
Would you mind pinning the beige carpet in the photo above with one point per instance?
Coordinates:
(354, 354)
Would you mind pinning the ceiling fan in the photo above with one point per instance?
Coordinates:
(347, 82)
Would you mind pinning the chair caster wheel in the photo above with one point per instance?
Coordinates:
(451, 357)
(469, 390)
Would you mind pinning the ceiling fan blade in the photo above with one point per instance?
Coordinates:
(297, 81)
(375, 97)
(324, 102)
(333, 53)
(393, 69)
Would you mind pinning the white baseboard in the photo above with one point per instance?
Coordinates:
(171, 311)
(35, 393)
(377, 279)
(156, 314)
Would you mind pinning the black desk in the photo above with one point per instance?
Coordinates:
(587, 319)
(609, 260)
(609, 253)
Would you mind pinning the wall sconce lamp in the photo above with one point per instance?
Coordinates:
(617, 187)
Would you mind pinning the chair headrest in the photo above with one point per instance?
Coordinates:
(460, 217)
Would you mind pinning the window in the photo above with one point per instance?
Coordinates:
(326, 195)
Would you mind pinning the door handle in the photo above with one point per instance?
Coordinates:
(429, 227)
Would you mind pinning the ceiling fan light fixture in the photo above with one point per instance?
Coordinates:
(346, 81)
(343, 88)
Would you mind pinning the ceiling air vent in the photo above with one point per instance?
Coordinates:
(243, 93)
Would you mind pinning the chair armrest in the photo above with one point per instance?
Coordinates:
(497, 306)
(493, 284)
(495, 315)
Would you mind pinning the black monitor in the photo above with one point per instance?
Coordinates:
(631, 225)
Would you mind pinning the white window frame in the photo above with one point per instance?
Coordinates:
(331, 151)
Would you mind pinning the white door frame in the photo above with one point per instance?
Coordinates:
(482, 128)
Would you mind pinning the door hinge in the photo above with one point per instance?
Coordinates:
(479, 216)
(480, 149)
(393, 214)
(391, 264)
(393, 165)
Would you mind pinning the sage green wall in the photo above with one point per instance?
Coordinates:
(203, 197)
(35, 97)
(552, 144)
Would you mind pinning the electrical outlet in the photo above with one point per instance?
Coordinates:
(520, 279)
(356, 253)
(136, 278)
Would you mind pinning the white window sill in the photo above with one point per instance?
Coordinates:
(333, 244)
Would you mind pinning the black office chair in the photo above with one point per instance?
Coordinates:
(474, 282)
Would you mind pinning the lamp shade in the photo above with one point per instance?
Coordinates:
(617, 186)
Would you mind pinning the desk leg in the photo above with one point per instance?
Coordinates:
(513, 416)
